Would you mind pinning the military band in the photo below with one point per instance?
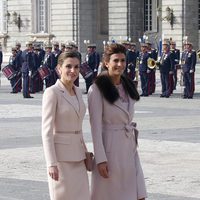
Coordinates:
(27, 63)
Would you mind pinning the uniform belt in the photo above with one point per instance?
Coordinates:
(129, 129)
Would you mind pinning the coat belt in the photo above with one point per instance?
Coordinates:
(130, 129)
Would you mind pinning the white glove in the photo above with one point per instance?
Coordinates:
(191, 71)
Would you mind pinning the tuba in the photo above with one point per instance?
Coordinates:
(151, 63)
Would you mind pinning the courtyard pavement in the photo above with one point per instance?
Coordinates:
(169, 145)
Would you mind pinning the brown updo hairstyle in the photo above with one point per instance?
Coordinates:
(63, 56)
(112, 49)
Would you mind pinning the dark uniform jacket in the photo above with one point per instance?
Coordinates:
(50, 61)
(93, 60)
(189, 61)
(167, 62)
(143, 57)
(28, 62)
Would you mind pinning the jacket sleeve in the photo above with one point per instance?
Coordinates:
(49, 105)
(95, 105)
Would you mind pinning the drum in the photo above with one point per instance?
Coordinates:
(44, 72)
(9, 72)
(85, 70)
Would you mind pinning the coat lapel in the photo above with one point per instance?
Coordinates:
(119, 104)
(130, 110)
(66, 96)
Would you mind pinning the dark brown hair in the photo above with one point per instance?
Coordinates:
(113, 49)
(63, 56)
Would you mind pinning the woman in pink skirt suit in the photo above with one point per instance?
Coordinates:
(118, 174)
(63, 110)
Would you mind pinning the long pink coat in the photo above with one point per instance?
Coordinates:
(63, 142)
(114, 141)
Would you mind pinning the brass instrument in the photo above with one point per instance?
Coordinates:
(151, 63)
(198, 54)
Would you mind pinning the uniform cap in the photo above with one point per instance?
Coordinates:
(68, 46)
(132, 43)
(48, 45)
(148, 42)
(172, 42)
(91, 45)
(143, 44)
(55, 43)
(13, 49)
(125, 42)
(188, 43)
(37, 47)
(18, 44)
(166, 42)
(29, 43)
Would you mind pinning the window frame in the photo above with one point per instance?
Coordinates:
(3, 16)
(150, 17)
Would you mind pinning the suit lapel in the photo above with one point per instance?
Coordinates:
(66, 96)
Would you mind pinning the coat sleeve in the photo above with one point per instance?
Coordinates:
(95, 105)
(49, 105)
(141, 188)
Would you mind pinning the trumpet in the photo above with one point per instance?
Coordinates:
(198, 54)
(151, 63)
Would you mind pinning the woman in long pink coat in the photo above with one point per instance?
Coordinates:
(118, 174)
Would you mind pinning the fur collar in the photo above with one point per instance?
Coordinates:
(110, 92)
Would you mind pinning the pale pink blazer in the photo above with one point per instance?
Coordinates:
(61, 126)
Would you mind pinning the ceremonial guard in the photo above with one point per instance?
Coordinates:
(176, 62)
(1, 56)
(75, 48)
(50, 63)
(27, 67)
(62, 47)
(152, 74)
(19, 57)
(143, 69)
(131, 59)
(166, 67)
(15, 62)
(93, 61)
(56, 51)
(39, 57)
(188, 67)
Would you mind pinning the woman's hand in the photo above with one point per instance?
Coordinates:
(103, 169)
(53, 173)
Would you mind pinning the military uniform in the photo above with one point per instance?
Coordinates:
(27, 67)
(166, 67)
(188, 68)
(50, 62)
(93, 61)
(144, 70)
(1, 59)
(15, 62)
